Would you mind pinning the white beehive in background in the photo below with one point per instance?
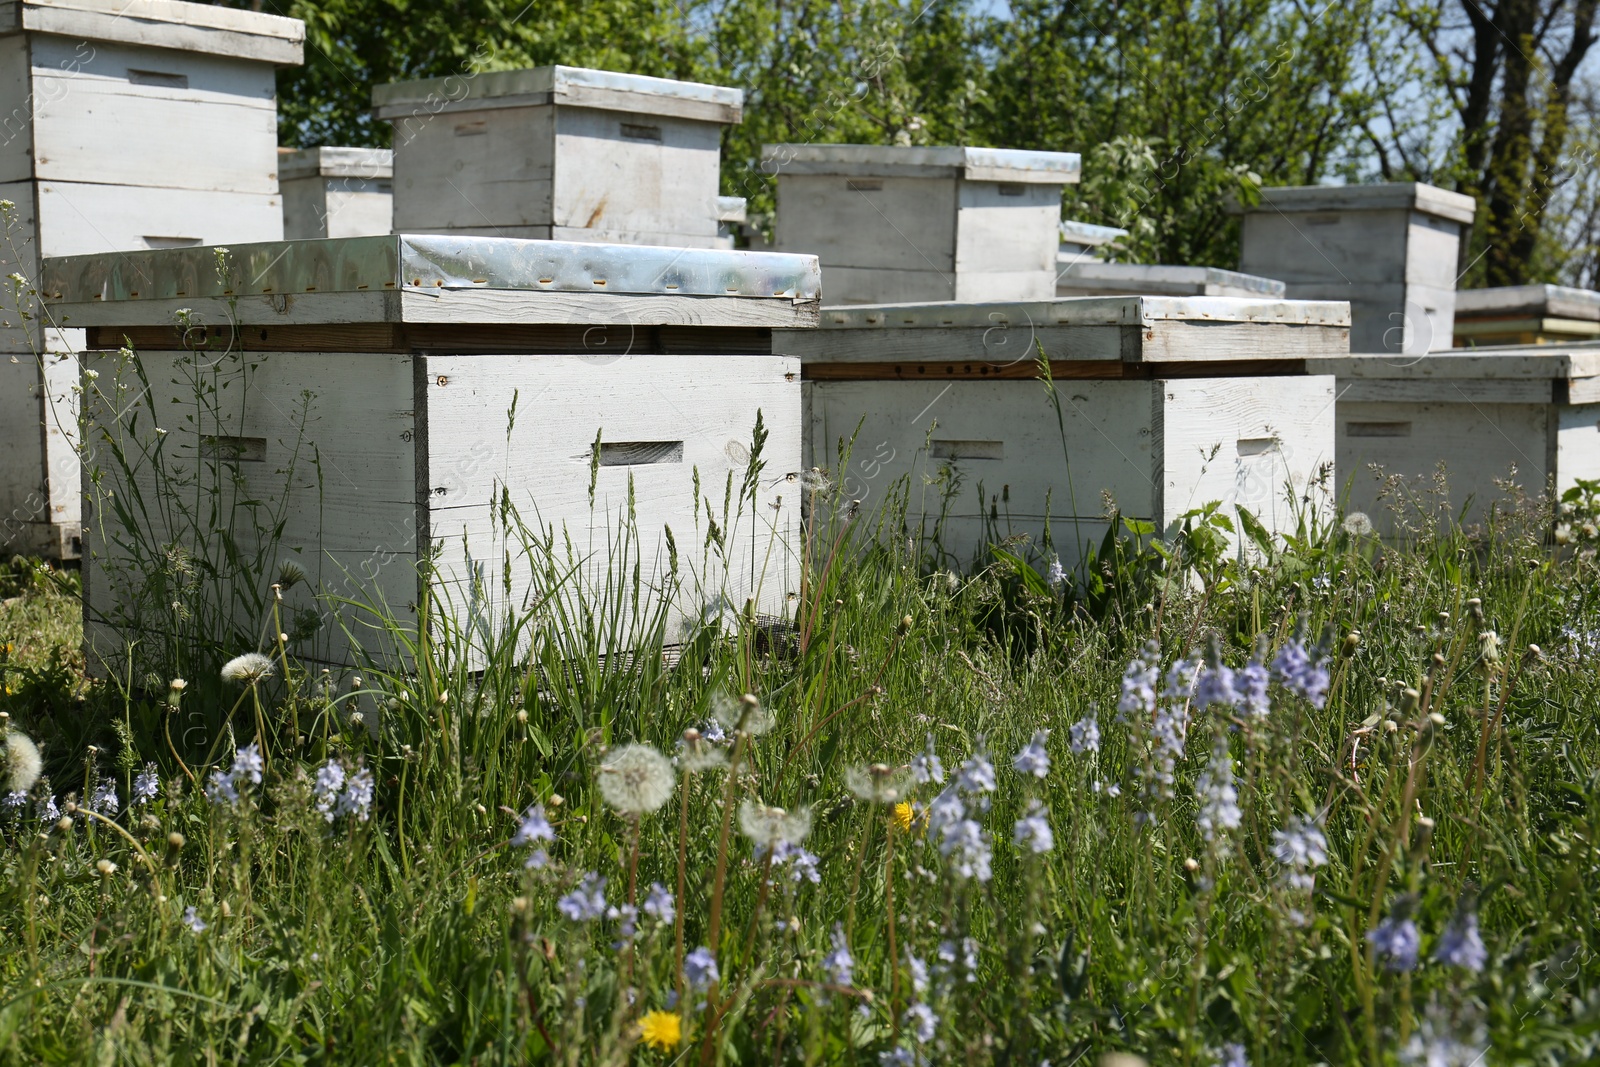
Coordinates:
(1166, 405)
(579, 383)
(133, 124)
(1085, 240)
(1391, 250)
(1479, 415)
(1092, 277)
(1526, 314)
(892, 224)
(559, 153)
(336, 192)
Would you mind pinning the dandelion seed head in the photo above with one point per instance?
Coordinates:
(23, 764)
(742, 714)
(247, 669)
(1357, 524)
(697, 754)
(636, 779)
(767, 827)
(878, 783)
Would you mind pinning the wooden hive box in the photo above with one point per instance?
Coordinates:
(894, 225)
(1526, 315)
(559, 153)
(642, 369)
(132, 124)
(1166, 405)
(1080, 276)
(1391, 250)
(336, 192)
(1480, 413)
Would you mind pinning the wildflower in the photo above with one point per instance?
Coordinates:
(537, 860)
(921, 1021)
(191, 919)
(660, 1030)
(1396, 937)
(357, 796)
(247, 763)
(767, 826)
(1433, 1044)
(1461, 945)
(14, 799)
(247, 669)
(636, 779)
(326, 787)
(1216, 686)
(896, 1057)
(1298, 673)
(534, 827)
(658, 903)
(46, 809)
(1139, 683)
(840, 965)
(146, 785)
(222, 789)
(877, 784)
(1251, 683)
(1357, 524)
(1033, 759)
(946, 808)
(696, 753)
(104, 798)
(106, 867)
(1032, 831)
(629, 916)
(802, 865)
(1219, 800)
(1085, 735)
(744, 715)
(23, 764)
(919, 973)
(700, 968)
(1056, 575)
(976, 775)
(1182, 678)
(712, 733)
(1301, 847)
(927, 768)
(587, 902)
(902, 816)
(966, 841)
(1232, 1055)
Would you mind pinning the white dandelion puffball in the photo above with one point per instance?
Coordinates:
(23, 765)
(744, 713)
(636, 779)
(1357, 524)
(247, 669)
(879, 783)
(768, 827)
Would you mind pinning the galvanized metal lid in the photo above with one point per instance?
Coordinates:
(572, 86)
(1087, 311)
(1553, 301)
(400, 262)
(1162, 279)
(947, 161)
(360, 163)
(1087, 233)
(174, 24)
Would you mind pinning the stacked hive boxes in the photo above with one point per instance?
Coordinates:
(1488, 416)
(1166, 405)
(336, 192)
(893, 225)
(1527, 314)
(1390, 250)
(1090, 277)
(133, 124)
(448, 379)
(560, 153)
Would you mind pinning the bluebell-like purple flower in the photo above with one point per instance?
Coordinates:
(700, 968)
(1298, 673)
(1251, 682)
(1033, 759)
(1084, 735)
(922, 1022)
(1032, 832)
(840, 965)
(928, 768)
(658, 903)
(587, 902)
(1215, 686)
(1397, 940)
(1461, 945)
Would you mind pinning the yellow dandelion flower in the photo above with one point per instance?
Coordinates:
(661, 1030)
(902, 816)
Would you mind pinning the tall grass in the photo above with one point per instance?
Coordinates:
(1228, 873)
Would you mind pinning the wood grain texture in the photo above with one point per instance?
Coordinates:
(307, 309)
(1445, 391)
(16, 114)
(318, 206)
(484, 168)
(77, 218)
(611, 176)
(169, 24)
(906, 224)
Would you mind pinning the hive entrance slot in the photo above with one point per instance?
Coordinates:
(639, 453)
(236, 449)
(1257, 446)
(967, 450)
(158, 77)
(1377, 429)
(637, 131)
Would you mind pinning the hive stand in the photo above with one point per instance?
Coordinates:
(448, 377)
(1526, 315)
(561, 153)
(1166, 405)
(336, 192)
(131, 124)
(892, 224)
(1481, 413)
(1391, 250)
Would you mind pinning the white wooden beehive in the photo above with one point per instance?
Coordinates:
(1489, 416)
(1526, 314)
(1166, 405)
(1079, 276)
(1391, 250)
(650, 363)
(893, 225)
(560, 153)
(132, 124)
(336, 192)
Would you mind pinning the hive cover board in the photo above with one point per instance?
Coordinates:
(444, 379)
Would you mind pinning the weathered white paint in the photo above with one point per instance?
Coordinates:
(171, 24)
(1390, 250)
(1081, 275)
(1527, 314)
(336, 192)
